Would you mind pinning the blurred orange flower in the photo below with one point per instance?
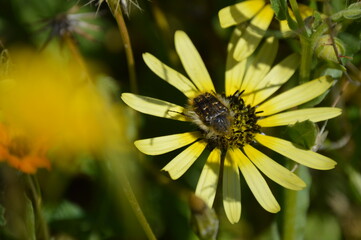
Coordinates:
(20, 152)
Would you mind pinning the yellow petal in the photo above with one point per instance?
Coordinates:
(273, 170)
(168, 74)
(260, 65)
(192, 62)
(291, 117)
(284, 28)
(304, 157)
(296, 96)
(305, 11)
(180, 164)
(164, 144)
(278, 75)
(154, 106)
(234, 77)
(253, 33)
(231, 189)
(256, 182)
(207, 183)
(238, 13)
(234, 69)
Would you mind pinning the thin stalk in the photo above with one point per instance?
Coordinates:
(136, 207)
(69, 41)
(118, 15)
(42, 230)
(119, 174)
(306, 50)
(345, 73)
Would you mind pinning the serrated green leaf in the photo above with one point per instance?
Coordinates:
(303, 134)
(280, 9)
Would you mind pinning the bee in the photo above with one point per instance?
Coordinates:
(211, 113)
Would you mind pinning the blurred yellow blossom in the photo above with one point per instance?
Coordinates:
(53, 99)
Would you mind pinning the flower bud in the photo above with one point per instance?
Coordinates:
(325, 50)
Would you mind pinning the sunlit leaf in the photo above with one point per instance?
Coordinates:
(303, 134)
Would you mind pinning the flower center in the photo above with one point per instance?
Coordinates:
(19, 147)
(224, 121)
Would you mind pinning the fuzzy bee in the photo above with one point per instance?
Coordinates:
(211, 113)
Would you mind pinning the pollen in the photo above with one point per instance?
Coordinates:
(224, 121)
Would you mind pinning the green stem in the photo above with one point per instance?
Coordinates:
(306, 50)
(43, 231)
(306, 59)
(136, 208)
(118, 15)
(118, 174)
(289, 215)
(295, 208)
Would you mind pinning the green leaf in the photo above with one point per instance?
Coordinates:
(353, 11)
(280, 9)
(2, 216)
(291, 23)
(303, 134)
(352, 42)
(64, 211)
(355, 182)
(29, 219)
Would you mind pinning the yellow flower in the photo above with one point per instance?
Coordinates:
(22, 153)
(260, 14)
(50, 97)
(231, 125)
